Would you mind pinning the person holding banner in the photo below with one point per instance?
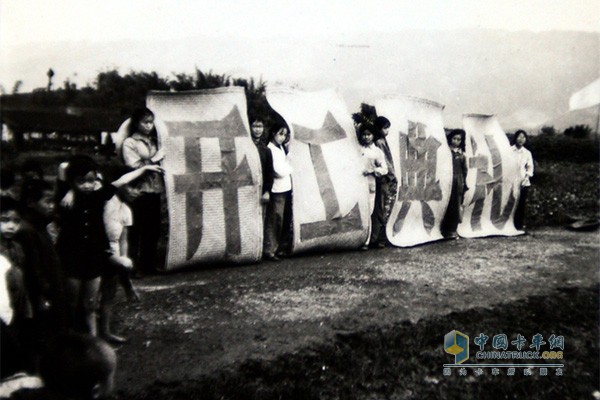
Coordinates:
(374, 167)
(278, 219)
(525, 162)
(140, 148)
(386, 186)
(266, 160)
(456, 141)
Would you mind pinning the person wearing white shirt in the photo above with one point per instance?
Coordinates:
(277, 240)
(374, 166)
(525, 162)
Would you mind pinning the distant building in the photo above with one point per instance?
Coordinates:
(57, 128)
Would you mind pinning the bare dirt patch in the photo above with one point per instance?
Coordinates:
(208, 326)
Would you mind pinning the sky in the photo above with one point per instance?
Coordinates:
(79, 38)
(39, 21)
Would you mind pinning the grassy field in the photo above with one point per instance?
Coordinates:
(366, 325)
(405, 361)
(563, 189)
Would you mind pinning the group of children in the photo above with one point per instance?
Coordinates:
(66, 247)
(276, 188)
(378, 168)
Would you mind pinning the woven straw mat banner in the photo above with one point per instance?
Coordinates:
(212, 176)
(330, 194)
(423, 166)
(492, 178)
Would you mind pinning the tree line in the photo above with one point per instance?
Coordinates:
(123, 93)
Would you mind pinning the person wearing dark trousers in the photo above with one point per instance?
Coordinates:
(453, 216)
(386, 187)
(277, 238)
(139, 149)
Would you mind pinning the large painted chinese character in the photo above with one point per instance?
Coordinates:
(418, 179)
(195, 181)
(212, 171)
(330, 194)
(423, 165)
(334, 222)
(486, 183)
(493, 179)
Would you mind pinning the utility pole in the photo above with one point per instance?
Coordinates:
(50, 74)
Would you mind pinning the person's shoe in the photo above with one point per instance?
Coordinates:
(364, 248)
(133, 296)
(271, 257)
(282, 254)
(113, 339)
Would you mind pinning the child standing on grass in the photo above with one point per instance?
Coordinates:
(525, 162)
(456, 141)
(374, 167)
(277, 240)
(37, 197)
(117, 220)
(139, 149)
(82, 243)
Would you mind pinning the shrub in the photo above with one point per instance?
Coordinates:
(578, 131)
(561, 148)
(547, 131)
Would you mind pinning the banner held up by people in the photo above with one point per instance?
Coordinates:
(212, 176)
(330, 194)
(423, 166)
(493, 179)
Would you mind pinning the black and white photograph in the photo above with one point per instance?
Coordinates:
(277, 199)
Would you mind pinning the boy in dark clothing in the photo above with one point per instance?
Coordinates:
(49, 301)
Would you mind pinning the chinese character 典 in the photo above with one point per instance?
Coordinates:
(519, 342)
(556, 342)
(418, 181)
(481, 340)
(543, 371)
(500, 342)
(537, 341)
